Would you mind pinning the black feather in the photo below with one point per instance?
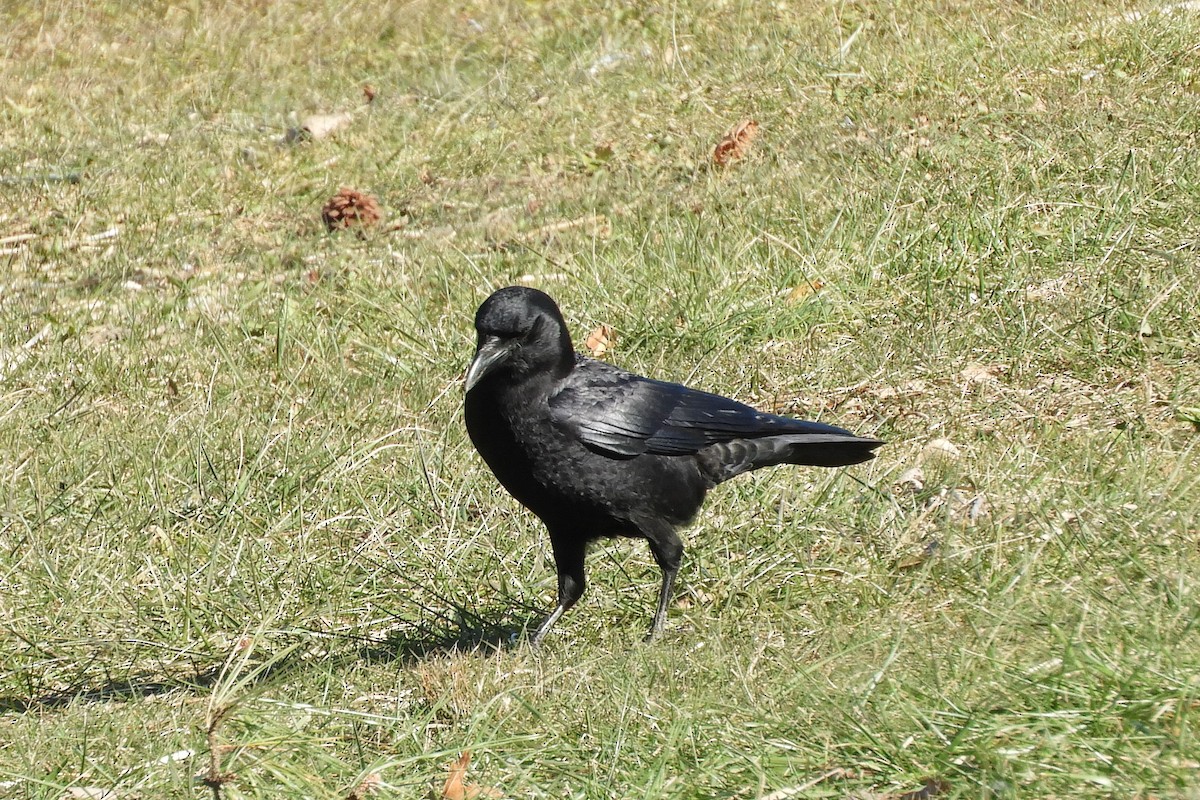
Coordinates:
(596, 451)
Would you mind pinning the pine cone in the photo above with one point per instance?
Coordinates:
(735, 143)
(349, 208)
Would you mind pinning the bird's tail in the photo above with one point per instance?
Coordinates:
(726, 460)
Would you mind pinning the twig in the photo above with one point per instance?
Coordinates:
(597, 221)
(45, 177)
(86, 241)
(93, 238)
(792, 791)
(18, 237)
(111, 233)
(215, 779)
(22, 355)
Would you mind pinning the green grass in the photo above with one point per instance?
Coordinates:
(239, 514)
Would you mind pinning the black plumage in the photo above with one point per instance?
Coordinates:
(596, 451)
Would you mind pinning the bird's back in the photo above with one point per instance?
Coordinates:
(621, 415)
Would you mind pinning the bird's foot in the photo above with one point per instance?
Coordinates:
(653, 635)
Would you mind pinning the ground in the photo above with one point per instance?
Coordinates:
(248, 550)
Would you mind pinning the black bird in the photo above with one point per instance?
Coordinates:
(596, 451)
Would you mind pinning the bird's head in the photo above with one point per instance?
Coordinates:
(520, 332)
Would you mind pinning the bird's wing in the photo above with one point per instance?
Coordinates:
(623, 414)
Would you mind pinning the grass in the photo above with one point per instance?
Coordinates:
(246, 541)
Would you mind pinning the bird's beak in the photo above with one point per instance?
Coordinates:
(491, 352)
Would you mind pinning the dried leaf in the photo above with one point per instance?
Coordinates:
(369, 92)
(369, 785)
(912, 480)
(942, 449)
(735, 143)
(601, 340)
(318, 126)
(803, 290)
(982, 373)
(911, 388)
(455, 788)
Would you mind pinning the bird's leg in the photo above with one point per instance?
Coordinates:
(568, 559)
(667, 550)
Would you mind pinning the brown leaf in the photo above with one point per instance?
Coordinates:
(369, 92)
(803, 290)
(601, 340)
(455, 788)
(735, 143)
(369, 785)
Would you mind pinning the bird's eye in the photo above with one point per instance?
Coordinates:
(534, 329)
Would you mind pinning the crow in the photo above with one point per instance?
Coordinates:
(595, 451)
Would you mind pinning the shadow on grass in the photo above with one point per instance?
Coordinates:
(480, 638)
(130, 688)
(408, 644)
